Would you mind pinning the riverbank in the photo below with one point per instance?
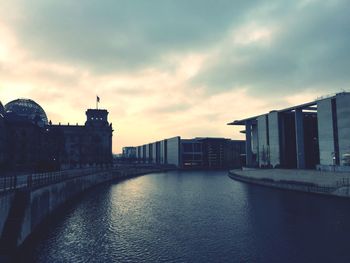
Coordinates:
(311, 181)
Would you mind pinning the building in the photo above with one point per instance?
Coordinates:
(2, 136)
(310, 135)
(85, 145)
(129, 153)
(212, 153)
(196, 153)
(166, 151)
(28, 142)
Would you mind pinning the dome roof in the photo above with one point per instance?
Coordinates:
(29, 109)
(2, 111)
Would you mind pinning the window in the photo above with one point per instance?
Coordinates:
(187, 147)
(197, 147)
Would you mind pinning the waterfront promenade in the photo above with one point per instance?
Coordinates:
(314, 181)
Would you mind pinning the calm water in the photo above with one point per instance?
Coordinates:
(197, 217)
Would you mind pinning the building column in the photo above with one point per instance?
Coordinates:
(299, 138)
(248, 143)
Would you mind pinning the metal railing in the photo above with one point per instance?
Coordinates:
(14, 182)
(326, 96)
(8, 183)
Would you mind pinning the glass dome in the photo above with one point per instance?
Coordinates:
(29, 109)
(2, 110)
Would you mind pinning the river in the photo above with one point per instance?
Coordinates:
(195, 217)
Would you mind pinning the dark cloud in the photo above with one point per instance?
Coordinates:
(122, 34)
(309, 50)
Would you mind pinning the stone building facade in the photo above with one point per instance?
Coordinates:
(28, 142)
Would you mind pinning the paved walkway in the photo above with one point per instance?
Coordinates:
(319, 178)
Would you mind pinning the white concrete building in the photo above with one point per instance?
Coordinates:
(310, 135)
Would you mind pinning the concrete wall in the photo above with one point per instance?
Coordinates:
(137, 152)
(144, 153)
(274, 138)
(5, 205)
(309, 181)
(343, 117)
(255, 141)
(325, 131)
(147, 156)
(173, 151)
(262, 140)
(45, 200)
(154, 152)
(162, 152)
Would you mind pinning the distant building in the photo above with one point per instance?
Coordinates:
(212, 153)
(2, 136)
(197, 153)
(310, 135)
(129, 152)
(28, 142)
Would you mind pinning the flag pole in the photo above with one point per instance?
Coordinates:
(97, 101)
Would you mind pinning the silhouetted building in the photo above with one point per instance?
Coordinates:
(28, 142)
(28, 109)
(2, 136)
(23, 143)
(84, 145)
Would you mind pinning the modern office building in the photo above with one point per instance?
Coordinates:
(29, 142)
(166, 151)
(200, 153)
(310, 135)
(129, 152)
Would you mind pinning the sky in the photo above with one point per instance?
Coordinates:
(164, 68)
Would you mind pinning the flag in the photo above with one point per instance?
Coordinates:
(97, 98)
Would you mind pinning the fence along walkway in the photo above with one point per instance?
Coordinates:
(13, 182)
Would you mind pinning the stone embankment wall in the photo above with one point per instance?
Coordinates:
(5, 205)
(334, 184)
(44, 200)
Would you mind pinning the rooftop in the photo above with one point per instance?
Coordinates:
(311, 106)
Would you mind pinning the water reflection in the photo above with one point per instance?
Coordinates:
(197, 217)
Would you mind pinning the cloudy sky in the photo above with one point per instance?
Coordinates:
(172, 67)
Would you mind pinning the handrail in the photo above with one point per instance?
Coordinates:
(14, 182)
(36, 180)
